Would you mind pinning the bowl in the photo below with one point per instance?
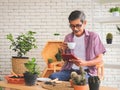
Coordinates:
(15, 80)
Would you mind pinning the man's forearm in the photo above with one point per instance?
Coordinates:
(97, 60)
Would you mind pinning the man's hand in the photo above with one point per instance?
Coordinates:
(79, 62)
(63, 46)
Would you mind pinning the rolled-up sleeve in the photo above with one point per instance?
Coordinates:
(99, 47)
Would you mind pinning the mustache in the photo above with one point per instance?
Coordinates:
(76, 31)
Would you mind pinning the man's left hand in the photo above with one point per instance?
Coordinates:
(79, 62)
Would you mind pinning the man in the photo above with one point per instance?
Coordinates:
(89, 49)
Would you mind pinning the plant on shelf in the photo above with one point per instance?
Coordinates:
(115, 11)
(32, 72)
(57, 35)
(109, 38)
(50, 61)
(94, 82)
(118, 28)
(58, 55)
(79, 81)
(22, 44)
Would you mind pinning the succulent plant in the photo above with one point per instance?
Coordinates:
(50, 60)
(56, 34)
(109, 36)
(118, 28)
(79, 79)
(58, 55)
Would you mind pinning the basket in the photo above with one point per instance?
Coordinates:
(18, 65)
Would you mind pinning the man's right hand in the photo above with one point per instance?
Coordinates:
(63, 46)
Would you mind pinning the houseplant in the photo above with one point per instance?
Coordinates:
(118, 28)
(109, 38)
(57, 36)
(50, 61)
(22, 44)
(58, 55)
(115, 11)
(32, 72)
(79, 81)
(94, 82)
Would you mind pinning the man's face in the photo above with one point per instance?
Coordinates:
(77, 27)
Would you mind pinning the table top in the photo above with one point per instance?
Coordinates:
(67, 86)
(20, 86)
(38, 87)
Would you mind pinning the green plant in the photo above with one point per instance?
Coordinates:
(79, 79)
(56, 34)
(50, 60)
(58, 55)
(114, 9)
(32, 66)
(109, 36)
(1, 88)
(118, 28)
(23, 43)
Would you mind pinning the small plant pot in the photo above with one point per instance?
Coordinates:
(50, 65)
(116, 13)
(30, 79)
(60, 65)
(94, 83)
(78, 87)
(109, 41)
(94, 86)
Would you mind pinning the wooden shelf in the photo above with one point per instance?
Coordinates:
(106, 1)
(112, 45)
(111, 19)
(112, 66)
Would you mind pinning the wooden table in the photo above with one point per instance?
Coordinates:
(20, 86)
(38, 87)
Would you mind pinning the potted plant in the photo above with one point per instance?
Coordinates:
(94, 82)
(58, 57)
(22, 44)
(32, 72)
(118, 28)
(115, 11)
(109, 38)
(79, 81)
(57, 35)
(50, 61)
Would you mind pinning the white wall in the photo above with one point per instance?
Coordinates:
(47, 17)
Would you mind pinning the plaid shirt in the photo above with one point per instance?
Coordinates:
(93, 47)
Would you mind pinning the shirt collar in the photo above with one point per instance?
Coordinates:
(85, 31)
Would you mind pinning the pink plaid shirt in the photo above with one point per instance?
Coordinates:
(93, 46)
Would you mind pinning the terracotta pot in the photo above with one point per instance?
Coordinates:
(50, 65)
(60, 65)
(78, 87)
